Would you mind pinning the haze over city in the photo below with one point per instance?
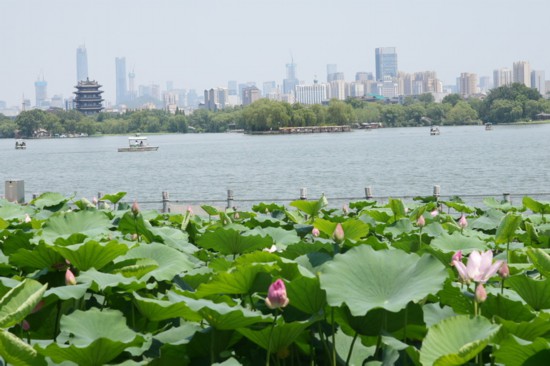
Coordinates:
(204, 44)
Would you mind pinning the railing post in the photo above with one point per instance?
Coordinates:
(229, 198)
(303, 193)
(165, 200)
(15, 191)
(437, 191)
(368, 192)
(506, 197)
(99, 201)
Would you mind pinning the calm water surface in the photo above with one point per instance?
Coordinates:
(199, 167)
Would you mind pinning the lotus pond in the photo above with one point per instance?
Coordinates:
(409, 283)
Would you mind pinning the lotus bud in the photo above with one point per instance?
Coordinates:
(481, 294)
(27, 218)
(457, 256)
(25, 325)
(236, 216)
(94, 200)
(276, 295)
(462, 222)
(421, 221)
(504, 271)
(189, 210)
(435, 212)
(338, 234)
(69, 278)
(135, 208)
(315, 232)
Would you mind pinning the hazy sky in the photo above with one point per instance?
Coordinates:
(201, 44)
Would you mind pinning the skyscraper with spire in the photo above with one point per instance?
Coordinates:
(81, 64)
(291, 81)
(41, 91)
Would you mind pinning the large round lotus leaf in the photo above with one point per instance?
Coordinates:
(89, 223)
(366, 279)
(456, 340)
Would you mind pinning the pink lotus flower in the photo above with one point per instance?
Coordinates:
(69, 278)
(190, 210)
(276, 295)
(481, 294)
(504, 270)
(338, 234)
(135, 208)
(94, 200)
(457, 257)
(421, 221)
(434, 213)
(315, 232)
(462, 222)
(480, 267)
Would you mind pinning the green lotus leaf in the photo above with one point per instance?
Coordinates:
(220, 315)
(398, 208)
(136, 224)
(513, 351)
(238, 281)
(536, 206)
(399, 227)
(488, 221)
(456, 241)
(17, 303)
(157, 310)
(92, 254)
(353, 229)
(113, 198)
(507, 228)
(179, 335)
(345, 343)
(456, 340)
(50, 200)
(434, 313)
(531, 330)
(506, 308)
(229, 362)
(453, 296)
(280, 236)
(174, 238)
(13, 211)
(94, 338)
(366, 279)
(41, 256)
(67, 292)
(89, 223)
(536, 293)
(305, 294)
(433, 229)
(458, 206)
(135, 267)
(492, 202)
(14, 351)
(540, 259)
(229, 241)
(281, 336)
(210, 210)
(310, 208)
(170, 261)
(99, 281)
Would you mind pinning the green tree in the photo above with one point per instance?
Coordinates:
(392, 115)
(30, 121)
(452, 99)
(340, 113)
(462, 113)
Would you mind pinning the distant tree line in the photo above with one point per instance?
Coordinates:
(506, 104)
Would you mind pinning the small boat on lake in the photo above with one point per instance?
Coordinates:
(488, 126)
(434, 130)
(137, 143)
(20, 145)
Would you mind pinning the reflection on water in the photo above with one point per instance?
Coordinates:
(199, 167)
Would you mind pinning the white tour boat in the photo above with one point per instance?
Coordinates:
(137, 143)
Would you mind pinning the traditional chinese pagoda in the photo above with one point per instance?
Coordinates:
(88, 97)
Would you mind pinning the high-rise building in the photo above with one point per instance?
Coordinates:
(311, 94)
(538, 81)
(81, 64)
(363, 76)
(467, 84)
(386, 62)
(331, 70)
(269, 87)
(484, 83)
(232, 87)
(121, 85)
(250, 95)
(215, 98)
(502, 77)
(88, 97)
(41, 91)
(131, 85)
(290, 82)
(522, 73)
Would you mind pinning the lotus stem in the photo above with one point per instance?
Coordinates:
(351, 348)
(333, 337)
(270, 336)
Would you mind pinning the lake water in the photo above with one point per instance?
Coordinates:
(465, 160)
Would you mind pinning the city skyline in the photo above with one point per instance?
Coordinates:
(200, 46)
